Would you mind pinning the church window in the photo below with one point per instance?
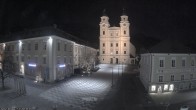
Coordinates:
(111, 44)
(124, 44)
(124, 32)
(103, 32)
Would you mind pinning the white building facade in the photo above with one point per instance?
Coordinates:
(115, 45)
(46, 58)
(161, 72)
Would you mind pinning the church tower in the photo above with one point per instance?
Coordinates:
(115, 46)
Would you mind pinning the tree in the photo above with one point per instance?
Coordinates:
(8, 68)
(4, 75)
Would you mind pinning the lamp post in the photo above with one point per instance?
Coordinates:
(112, 77)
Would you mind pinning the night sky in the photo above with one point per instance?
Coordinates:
(157, 19)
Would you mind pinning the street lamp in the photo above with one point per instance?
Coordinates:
(112, 77)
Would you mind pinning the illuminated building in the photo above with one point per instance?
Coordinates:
(48, 54)
(115, 45)
(168, 66)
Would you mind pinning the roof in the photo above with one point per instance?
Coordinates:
(45, 31)
(171, 46)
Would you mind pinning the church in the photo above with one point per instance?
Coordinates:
(115, 46)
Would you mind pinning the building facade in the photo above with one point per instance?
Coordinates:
(168, 70)
(115, 45)
(49, 58)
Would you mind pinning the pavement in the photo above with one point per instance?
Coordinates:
(75, 93)
(112, 87)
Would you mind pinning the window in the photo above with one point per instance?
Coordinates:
(166, 87)
(44, 60)
(65, 47)
(111, 44)
(192, 62)
(160, 78)
(29, 46)
(103, 32)
(103, 52)
(116, 52)
(44, 45)
(116, 44)
(173, 63)
(36, 46)
(182, 77)
(124, 32)
(124, 52)
(171, 87)
(172, 77)
(153, 88)
(58, 46)
(103, 44)
(191, 76)
(183, 63)
(23, 47)
(124, 44)
(161, 63)
(116, 34)
(111, 34)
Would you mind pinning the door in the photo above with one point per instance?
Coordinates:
(116, 60)
(111, 60)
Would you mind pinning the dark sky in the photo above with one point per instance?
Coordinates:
(155, 18)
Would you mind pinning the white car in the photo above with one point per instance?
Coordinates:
(184, 107)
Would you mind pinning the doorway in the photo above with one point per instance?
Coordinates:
(116, 60)
(111, 60)
(159, 89)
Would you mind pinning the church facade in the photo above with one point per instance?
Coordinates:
(115, 46)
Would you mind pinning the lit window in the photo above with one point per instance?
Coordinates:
(171, 87)
(153, 88)
(165, 87)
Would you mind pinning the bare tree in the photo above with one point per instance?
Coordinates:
(8, 67)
